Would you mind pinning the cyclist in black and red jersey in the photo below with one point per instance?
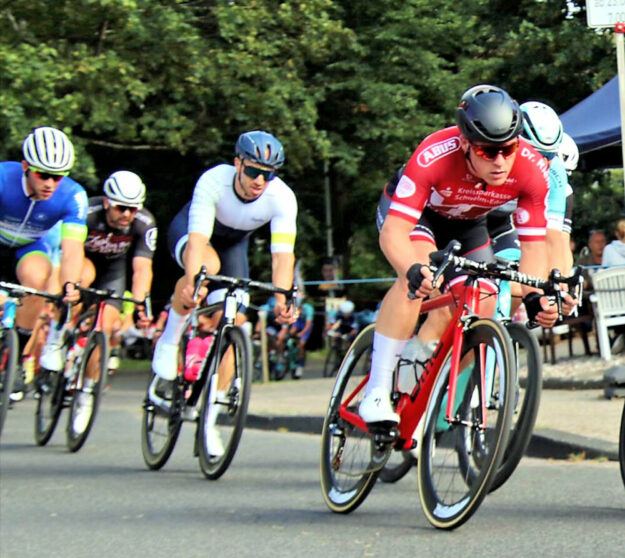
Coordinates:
(121, 235)
(453, 179)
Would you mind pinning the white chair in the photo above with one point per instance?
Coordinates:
(608, 304)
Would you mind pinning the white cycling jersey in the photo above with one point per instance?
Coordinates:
(217, 208)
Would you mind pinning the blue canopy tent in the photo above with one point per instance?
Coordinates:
(595, 124)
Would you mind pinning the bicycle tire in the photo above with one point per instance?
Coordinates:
(159, 428)
(50, 395)
(349, 461)
(236, 398)
(397, 467)
(332, 362)
(94, 354)
(529, 388)
(621, 446)
(457, 462)
(8, 370)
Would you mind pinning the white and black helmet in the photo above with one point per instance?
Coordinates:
(48, 149)
(125, 188)
(541, 126)
(569, 152)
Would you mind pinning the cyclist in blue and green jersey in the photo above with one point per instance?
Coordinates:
(34, 195)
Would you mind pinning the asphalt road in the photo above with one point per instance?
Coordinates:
(103, 501)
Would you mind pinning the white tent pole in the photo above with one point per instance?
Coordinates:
(619, 31)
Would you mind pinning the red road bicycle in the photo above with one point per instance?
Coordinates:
(460, 409)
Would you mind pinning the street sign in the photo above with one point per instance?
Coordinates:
(604, 13)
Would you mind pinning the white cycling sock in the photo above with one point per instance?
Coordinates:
(214, 410)
(173, 328)
(386, 353)
(54, 334)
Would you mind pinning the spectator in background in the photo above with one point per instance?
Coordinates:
(614, 253)
(302, 329)
(592, 255)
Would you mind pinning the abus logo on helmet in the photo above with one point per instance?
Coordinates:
(438, 150)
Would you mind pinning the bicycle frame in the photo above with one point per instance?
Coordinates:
(411, 407)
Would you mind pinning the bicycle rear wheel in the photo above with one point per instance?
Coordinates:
(227, 404)
(527, 400)
(94, 359)
(8, 370)
(458, 460)
(349, 461)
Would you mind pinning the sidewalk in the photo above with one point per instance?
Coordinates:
(574, 417)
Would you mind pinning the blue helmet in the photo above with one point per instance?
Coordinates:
(260, 147)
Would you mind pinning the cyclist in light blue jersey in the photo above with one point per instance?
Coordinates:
(35, 194)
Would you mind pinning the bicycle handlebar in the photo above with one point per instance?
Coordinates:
(18, 291)
(238, 283)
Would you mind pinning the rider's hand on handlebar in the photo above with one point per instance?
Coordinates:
(71, 294)
(186, 296)
(420, 280)
(284, 314)
(569, 303)
(548, 313)
(142, 321)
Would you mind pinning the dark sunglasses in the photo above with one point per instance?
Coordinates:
(490, 152)
(45, 175)
(124, 208)
(254, 172)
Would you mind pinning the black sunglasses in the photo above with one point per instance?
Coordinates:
(124, 208)
(254, 172)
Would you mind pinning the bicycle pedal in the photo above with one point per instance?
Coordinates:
(384, 436)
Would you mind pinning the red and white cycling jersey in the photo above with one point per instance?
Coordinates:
(437, 175)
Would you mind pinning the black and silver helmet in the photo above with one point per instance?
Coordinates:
(487, 114)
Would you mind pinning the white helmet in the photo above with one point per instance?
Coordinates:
(125, 188)
(541, 126)
(568, 152)
(48, 149)
(347, 307)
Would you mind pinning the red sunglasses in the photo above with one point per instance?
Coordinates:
(490, 152)
(42, 175)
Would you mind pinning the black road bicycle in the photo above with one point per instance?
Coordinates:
(229, 358)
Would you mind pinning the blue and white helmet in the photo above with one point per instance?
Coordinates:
(125, 188)
(49, 149)
(541, 126)
(260, 147)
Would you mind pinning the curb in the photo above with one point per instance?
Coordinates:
(546, 444)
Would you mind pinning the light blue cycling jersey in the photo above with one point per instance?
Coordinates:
(24, 222)
(559, 190)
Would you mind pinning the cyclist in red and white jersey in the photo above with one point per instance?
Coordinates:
(451, 182)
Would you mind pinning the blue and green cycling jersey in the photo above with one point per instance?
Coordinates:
(24, 221)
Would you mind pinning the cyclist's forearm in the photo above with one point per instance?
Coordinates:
(196, 254)
(282, 265)
(141, 277)
(533, 262)
(73, 255)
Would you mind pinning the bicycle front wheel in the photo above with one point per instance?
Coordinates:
(621, 446)
(350, 461)
(86, 398)
(50, 394)
(527, 390)
(332, 361)
(226, 399)
(458, 459)
(8, 370)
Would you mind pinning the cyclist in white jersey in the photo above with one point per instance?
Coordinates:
(229, 203)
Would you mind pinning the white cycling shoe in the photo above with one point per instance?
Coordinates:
(165, 360)
(84, 410)
(214, 445)
(51, 357)
(376, 407)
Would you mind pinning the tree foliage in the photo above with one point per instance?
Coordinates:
(163, 87)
